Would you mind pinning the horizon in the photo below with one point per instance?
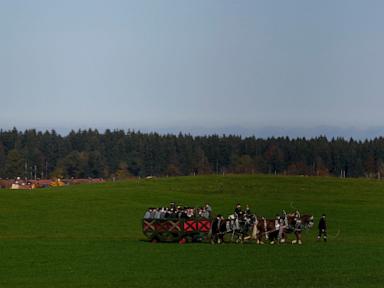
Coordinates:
(330, 132)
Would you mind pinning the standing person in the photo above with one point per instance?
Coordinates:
(283, 221)
(277, 222)
(205, 213)
(222, 229)
(248, 210)
(238, 211)
(280, 237)
(238, 215)
(208, 208)
(216, 224)
(297, 229)
(322, 228)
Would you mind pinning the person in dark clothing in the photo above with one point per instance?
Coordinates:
(222, 228)
(217, 235)
(238, 211)
(248, 210)
(239, 216)
(322, 228)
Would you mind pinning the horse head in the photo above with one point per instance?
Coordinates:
(307, 221)
(231, 217)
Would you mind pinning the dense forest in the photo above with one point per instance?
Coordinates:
(121, 154)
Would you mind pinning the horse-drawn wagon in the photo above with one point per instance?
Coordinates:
(187, 224)
(177, 229)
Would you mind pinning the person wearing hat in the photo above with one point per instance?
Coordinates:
(322, 228)
(238, 212)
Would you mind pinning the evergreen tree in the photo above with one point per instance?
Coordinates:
(2, 160)
(88, 153)
(14, 165)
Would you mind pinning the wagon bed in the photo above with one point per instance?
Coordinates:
(172, 230)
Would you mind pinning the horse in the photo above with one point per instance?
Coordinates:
(296, 224)
(252, 227)
(264, 229)
(239, 228)
(272, 230)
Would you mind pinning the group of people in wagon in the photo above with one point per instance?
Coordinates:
(174, 211)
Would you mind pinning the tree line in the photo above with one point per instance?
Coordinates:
(121, 154)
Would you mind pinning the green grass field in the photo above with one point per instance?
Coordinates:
(90, 236)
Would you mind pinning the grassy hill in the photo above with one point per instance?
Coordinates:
(90, 235)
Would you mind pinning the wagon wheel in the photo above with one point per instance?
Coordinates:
(168, 237)
(183, 241)
(154, 240)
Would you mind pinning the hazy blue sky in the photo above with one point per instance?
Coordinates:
(192, 64)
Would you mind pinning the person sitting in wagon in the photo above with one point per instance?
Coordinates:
(147, 214)
(190, 212)
(162, 213)
(203, 213)
(157, 214)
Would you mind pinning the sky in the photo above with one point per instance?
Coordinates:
(248, 67)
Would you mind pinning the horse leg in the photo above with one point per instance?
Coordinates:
(274, 237)
(254, 232)
(285, 236)
(259, 238)
(299, 238)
